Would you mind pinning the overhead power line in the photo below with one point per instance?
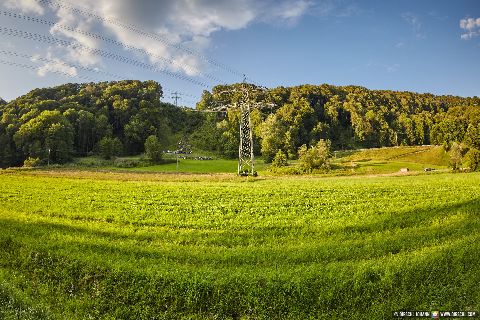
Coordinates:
(138, 30)
(108, 40)
(46, 60)
(35, 68)
(76, 46)
(69, 65)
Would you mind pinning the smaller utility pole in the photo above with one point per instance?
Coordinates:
(175, 97)
(183, 148)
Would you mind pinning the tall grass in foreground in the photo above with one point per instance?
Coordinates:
(117, 247)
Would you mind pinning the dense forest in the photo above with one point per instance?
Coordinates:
(77, 119)
(74, 120)
(350, 117)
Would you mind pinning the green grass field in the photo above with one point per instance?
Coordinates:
(360, 162)
(169, 166)
(391, 160)
(198, 166)
(80, 245)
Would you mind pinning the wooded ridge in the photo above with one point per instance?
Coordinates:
(72, 119)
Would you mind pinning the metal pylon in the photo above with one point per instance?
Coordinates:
(246, 161)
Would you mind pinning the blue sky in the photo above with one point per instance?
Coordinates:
(189, 46)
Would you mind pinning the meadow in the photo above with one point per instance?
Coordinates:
(354, 162)
(113, 245)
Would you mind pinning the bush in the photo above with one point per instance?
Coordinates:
(126, 163)
(110, 147)
(31, 162)
(472, 159)
(280, 160)
(456, 157)
(315, 157)
(153, 149)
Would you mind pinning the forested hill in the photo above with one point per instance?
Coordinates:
(78, 119)
(72, 119)
(351, 117)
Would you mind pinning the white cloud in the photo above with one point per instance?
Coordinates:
(54, 65)
(67, 18)
(290, 12)
(415, 23)
(471, 27)
(183, 23)
(26, 6)
(470, 23)
(392, 68)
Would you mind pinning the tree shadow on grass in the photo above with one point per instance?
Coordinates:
(263, 247)
(346, 280)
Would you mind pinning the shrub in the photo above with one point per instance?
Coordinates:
(315, 157)
(280, 160)
(31, 162)
(110, 147)
(456, 156)
(126, 163)
(472, 159)
(153, 149)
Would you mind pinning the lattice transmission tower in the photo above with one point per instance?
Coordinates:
(245, 101)
(246, 159)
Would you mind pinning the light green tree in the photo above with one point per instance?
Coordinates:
(472, 159)
(315, 157)
(280, 160)
(456, 157)
(272, 132)
(47, 135)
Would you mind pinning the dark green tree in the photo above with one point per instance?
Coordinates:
(153, 149)
(110, 147)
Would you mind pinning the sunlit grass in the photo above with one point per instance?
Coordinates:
(110, 245)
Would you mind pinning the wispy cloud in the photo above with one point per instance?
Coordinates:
(26, 6)
(415, 23)
(335, 8)
(436, 15)
(348, 11)
(55, 65)
(183, 23)
(290, 12)
(394, 67)
(471, 27)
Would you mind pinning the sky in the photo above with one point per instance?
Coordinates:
(192, 45)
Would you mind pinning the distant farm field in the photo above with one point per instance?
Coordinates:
(79, 245)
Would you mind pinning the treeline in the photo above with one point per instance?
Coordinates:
(56, 124)
(350, 117)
